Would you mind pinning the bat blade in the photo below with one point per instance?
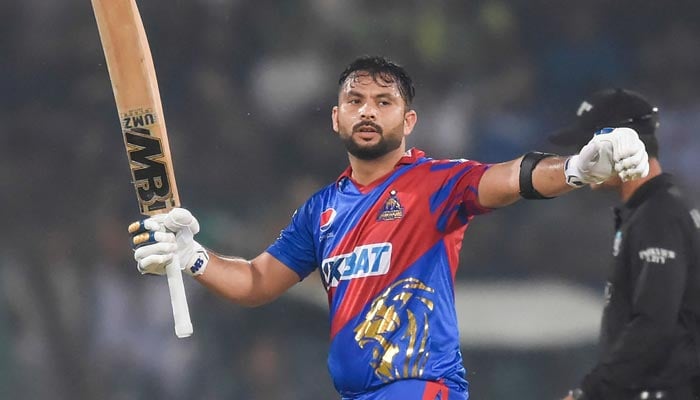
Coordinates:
(139, 106)
(135, 87)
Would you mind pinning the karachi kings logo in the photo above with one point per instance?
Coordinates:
(396, 330)
(392, 208)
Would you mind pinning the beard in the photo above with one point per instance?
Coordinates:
(385, 145)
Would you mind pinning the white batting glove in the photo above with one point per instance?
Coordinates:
(611, 150)
(630, 155)
(160, 238)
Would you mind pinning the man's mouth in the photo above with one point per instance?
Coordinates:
(367, 131)
(366, 134)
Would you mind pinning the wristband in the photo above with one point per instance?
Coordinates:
(527, 165)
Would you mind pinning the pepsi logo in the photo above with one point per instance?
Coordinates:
(327, 218)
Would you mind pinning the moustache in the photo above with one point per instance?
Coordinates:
(371, 124)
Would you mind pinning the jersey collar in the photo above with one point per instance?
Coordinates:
(644, 192)
(409, 157)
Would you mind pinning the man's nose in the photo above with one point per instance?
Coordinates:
(368, 111)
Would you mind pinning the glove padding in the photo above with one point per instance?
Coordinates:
(160, 238)
(611, 150)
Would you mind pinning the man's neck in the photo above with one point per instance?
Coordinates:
(627, 189)
(365, 172)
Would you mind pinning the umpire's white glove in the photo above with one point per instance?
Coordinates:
(160, 238)
(611, 150)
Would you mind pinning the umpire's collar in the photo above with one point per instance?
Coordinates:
(648, 189)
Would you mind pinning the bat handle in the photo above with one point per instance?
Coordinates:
(181, 312)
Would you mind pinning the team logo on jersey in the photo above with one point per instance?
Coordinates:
(392, 208)
(396, 329)
(327, 218)
(367, 260)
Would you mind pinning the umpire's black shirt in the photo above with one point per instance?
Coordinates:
(652, 297)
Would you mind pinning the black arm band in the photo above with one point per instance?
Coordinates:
(527, 165)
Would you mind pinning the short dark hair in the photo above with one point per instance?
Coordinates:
(382, 68)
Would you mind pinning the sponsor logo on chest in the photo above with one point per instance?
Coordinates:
(363, 261)
(327, 218)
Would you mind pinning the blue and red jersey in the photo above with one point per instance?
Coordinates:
(388, 253)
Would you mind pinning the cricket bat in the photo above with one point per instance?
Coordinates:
(136, 93)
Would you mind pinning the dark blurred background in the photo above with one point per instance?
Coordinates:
(247, 88)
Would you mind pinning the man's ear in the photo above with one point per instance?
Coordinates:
(334, 118)
(410, 119)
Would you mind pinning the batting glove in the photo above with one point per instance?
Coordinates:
(611, 150)
(160, 238)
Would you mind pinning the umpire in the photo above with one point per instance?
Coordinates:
(650, 331)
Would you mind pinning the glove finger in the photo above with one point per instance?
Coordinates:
(638, 171)
(637, 162)
(147, 238)
(137, 227)
(154, 264)
(624, 175)
(619, 167)
(154, 249)
(154, 223)
(179, 219)
(632, 161)
(628, 175)
(628, 143)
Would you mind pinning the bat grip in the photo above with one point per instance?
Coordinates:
(181, 312)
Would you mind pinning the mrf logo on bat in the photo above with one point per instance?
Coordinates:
(149, 167)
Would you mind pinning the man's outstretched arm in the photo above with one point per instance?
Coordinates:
(500, 185)
(537, 175)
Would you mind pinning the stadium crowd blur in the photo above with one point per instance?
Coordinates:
(247, 90)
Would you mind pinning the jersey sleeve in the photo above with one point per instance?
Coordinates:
(458, 196)
(468, 187)
(295, 245)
